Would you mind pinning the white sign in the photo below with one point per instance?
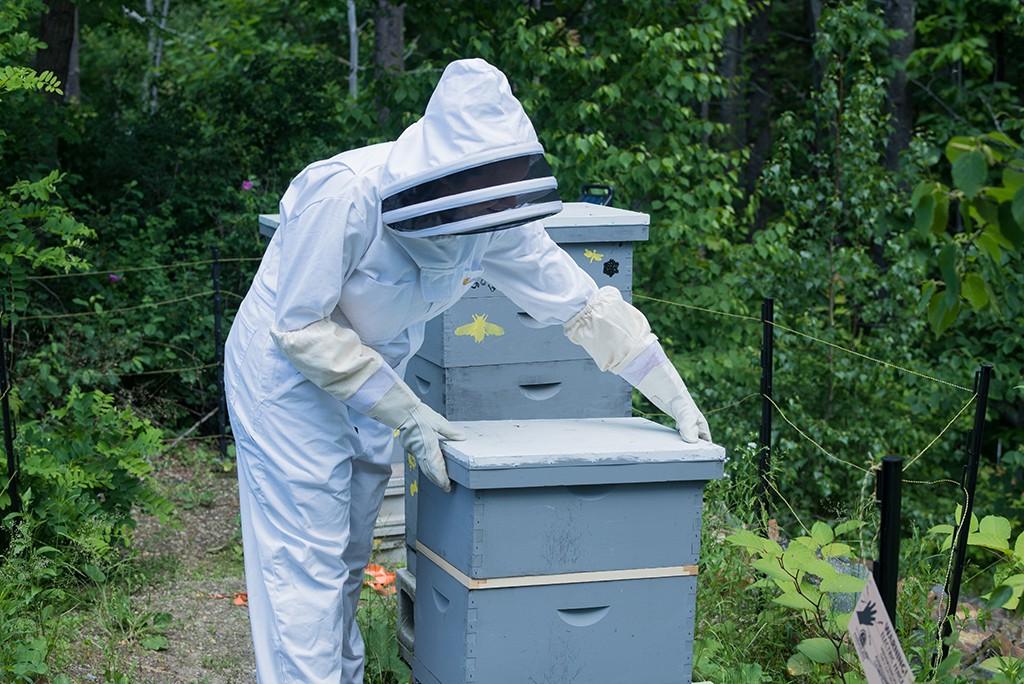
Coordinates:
(875, 640)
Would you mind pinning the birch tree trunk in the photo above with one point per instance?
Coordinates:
(353, 51)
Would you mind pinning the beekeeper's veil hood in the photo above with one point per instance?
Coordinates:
(472, 164)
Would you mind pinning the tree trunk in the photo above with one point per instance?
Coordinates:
(353, 51)
(899, 14)
(389, 48)
(58, 29)
(759, 101)
(73, 87)
(729, 69)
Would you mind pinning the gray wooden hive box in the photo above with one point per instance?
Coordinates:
(566, 551)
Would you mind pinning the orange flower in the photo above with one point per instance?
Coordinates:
(378, 578)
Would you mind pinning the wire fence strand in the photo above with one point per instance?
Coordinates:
(105, 312)
(939, 436)
(812, 440)
(140, 269)
(799, 333)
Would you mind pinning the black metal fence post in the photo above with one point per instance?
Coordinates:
(218, 313)
(12, 488)
(764, 460)
(982, 379)
(887, 568)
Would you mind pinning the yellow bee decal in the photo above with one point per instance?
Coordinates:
(412, 461)
(413, 488)
(479, 328)
(592, 256)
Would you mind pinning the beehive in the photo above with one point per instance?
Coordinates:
(548, 561)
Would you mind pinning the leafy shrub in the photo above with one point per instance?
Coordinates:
(84, 467)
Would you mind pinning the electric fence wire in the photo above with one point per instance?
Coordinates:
(139, 269)
(799, 333)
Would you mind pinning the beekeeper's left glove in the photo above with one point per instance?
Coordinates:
(619, 338)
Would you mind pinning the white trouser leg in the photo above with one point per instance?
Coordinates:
(369, 480)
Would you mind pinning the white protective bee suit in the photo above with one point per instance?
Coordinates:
(372, 243)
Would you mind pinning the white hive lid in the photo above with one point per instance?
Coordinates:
(539, 453)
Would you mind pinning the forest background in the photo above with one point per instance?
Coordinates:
(858, 161)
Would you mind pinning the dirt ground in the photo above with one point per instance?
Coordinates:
(191, 572)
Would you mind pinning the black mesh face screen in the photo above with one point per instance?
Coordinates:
(501, 172)
(439, 218)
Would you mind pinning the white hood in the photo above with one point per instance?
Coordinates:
(471, 164)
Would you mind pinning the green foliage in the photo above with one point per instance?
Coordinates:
(84, 467)
(804, 579)
(994, 534)
(987, 199)
(376, 619)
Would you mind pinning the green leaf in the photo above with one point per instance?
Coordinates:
(1000, 596)
(997, 526)
(771, 568)
(947, 267)
(848, 526)
(822, 533)
(941, 217)
(842, 584)
(941, 529)
(942, 314)
(959, 146)
(924, 214)
(1018, 547)
(1013, 176)
(1000, 663)
(836, 550)
(1009, 227)
(155, 642)
(753, 542)
(799, 665)
(987, 541)
(970, 172)
(819, 650)
(974, 291)
(791, 599)
(94, 573)
(797, 557)
(1018, 207)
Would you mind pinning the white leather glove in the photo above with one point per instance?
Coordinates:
(334, 358)
(420, 430)
(666, 390)
(619, 339)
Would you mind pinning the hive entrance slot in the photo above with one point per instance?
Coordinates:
(539, 391)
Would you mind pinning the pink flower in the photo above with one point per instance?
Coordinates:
(247, 184)
(114, 278)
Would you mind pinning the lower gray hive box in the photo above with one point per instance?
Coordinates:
(567, 551)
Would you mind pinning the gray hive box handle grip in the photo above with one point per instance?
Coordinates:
(583, 617)
(540, 391)
(422, 384)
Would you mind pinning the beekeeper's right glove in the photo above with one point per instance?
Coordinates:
(335, 359)
(420, 430)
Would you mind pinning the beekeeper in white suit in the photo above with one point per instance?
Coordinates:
(372, 243)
